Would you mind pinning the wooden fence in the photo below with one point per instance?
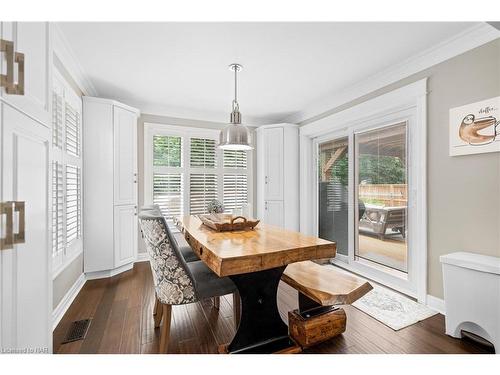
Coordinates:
(388, 195)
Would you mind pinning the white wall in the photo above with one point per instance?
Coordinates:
(463, 191)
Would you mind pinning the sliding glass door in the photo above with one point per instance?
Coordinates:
(362, 203)
(381, 195)
(333, 193)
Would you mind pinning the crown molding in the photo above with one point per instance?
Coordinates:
(64, 52)
(194, 114)
(470, 38)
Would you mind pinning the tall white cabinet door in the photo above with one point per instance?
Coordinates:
(125, 232)
(32, 40)
(125, 160)
(274, 213)
(26, 268)
(274, 164)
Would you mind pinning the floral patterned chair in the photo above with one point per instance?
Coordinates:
(187, 253)
(176, 281)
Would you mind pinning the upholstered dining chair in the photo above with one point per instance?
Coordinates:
(176, 281)
(186, 251)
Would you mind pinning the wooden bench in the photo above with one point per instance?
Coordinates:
(320, 289)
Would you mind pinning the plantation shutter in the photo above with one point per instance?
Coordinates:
(235, 190)
(167, 193)
(202, 153)
(57, 120)
(73, 203)
(235, 159)
(72, 128)
(203, 189)
(57, 209)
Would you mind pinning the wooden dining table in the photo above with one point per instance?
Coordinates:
(255, 261)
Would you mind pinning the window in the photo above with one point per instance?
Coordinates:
(187, 171)
(167, 193)
(235, 191)
(235, 159)
(203, 189)
(57, 209)
(167, 151)
(202, 153)
(73, 203)
(66, 174)
(72, 130)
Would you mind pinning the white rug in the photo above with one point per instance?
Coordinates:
(393, 309)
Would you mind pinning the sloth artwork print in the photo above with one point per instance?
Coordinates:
(475, 128)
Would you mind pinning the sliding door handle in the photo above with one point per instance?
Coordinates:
(19, 237)
(7, 229)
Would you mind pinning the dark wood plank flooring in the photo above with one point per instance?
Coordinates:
(122, 322)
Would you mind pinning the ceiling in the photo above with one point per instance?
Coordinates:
(180, 69)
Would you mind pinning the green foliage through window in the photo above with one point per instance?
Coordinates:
(167, 151)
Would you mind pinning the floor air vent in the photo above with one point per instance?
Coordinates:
(77, 331)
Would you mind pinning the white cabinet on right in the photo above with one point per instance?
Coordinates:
(278, 175)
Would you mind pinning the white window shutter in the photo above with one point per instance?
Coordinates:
(235, 159)
(235, 190)
(73, 203)
(72, 129)
(57, 120)
(202, 153)
(203, 189)
(57, 209)
(168, 193)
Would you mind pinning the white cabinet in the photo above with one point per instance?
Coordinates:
(25, 261)
(32, 40)
(125, 156)
(278, 175)
(109, 186)
(273, 178)
(125, 232)
(273, 213)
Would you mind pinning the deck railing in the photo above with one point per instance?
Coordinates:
(388, 195)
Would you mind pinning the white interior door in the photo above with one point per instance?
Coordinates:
(26, 295)
(274, 213)
(274, 164)
(125, 150)
(125, 233)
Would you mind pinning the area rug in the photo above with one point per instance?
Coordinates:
(391, 308)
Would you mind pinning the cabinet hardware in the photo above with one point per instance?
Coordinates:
(265, 180)
(7, 80)
(265, 205)
(7, 242)
(18, 88)
(20, 235)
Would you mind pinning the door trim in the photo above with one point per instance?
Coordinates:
(405, 104)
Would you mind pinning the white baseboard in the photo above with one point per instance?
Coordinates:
(436, 304)
(67, 300)
(142, 257)
(108, 273)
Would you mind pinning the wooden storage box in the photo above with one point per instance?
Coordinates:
(311, 331)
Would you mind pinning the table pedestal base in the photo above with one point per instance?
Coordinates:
(261, 329)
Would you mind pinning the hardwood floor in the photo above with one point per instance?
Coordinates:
(122, 322)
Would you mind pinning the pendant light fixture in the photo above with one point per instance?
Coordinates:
(235, 136)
